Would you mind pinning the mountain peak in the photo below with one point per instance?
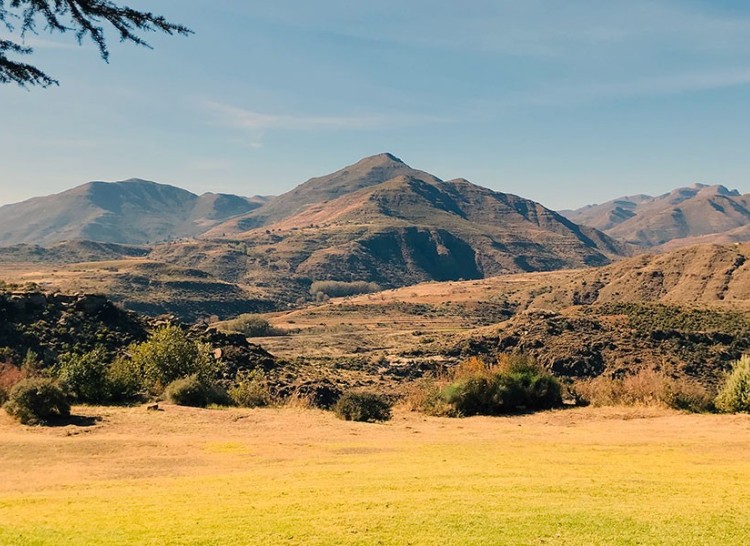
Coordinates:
(380, 160)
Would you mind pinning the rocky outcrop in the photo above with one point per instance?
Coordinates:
(56, 323)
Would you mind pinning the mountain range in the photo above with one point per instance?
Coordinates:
(132, 211)
(685, 216)
(378, 220)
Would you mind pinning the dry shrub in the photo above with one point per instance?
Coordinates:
(10, 374)
(424, 395)
(471, 367)
(250, 390)
(647, 387)
(299, 400)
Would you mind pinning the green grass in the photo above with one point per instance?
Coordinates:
(476, 481)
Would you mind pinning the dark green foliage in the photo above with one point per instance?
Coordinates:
(363, 406)
(734, 395)
(125, 382)
(196, 392)
(86, 375)
(3, 396)
(38, 401)
(522, 387)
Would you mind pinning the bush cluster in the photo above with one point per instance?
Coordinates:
(254, 326)
(197, 392)
(38, 401)
(169, 354)
(646, 387)
(512, 384)
(363, 406)
(338, 289)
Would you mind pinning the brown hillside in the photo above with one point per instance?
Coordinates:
(409, 229)
(685, 213)
(367, 172)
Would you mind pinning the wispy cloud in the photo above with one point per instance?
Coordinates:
(258, 124)
(232, 116)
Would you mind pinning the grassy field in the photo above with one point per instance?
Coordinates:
(286, 476)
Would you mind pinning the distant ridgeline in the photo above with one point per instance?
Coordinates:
(377, 221)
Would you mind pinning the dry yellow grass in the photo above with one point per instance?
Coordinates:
(285, 476)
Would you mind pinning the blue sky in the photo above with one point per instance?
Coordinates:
(567, 102)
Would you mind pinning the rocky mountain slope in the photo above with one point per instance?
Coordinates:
(378, 220)
(685, 312)
(691, 214)
(133, 211)
(367, 172)
(409, 228)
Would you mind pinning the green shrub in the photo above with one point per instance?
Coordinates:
(250, 390)
(734, 395)
(169, 354)
(125, 381)
(252, 326)
(196, 392)
(337, 289)
(85, 375)
(514, 384)
(363, 406)
(3, 396)
(38, 401)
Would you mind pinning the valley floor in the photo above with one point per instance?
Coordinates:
(287, 476)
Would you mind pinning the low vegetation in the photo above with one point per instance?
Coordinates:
(169, 354)
(250, 390)
(197, 392)
(363, 406)
(338, 289)
(734, 395)
(647, 387)
(38, 401)
(253, 326)
(654, 317)
(513, 384)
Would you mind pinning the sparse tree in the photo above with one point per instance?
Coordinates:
(85, 18)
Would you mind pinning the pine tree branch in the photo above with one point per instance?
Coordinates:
(86, 18)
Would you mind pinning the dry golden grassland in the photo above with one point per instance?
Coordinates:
(289, 476)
